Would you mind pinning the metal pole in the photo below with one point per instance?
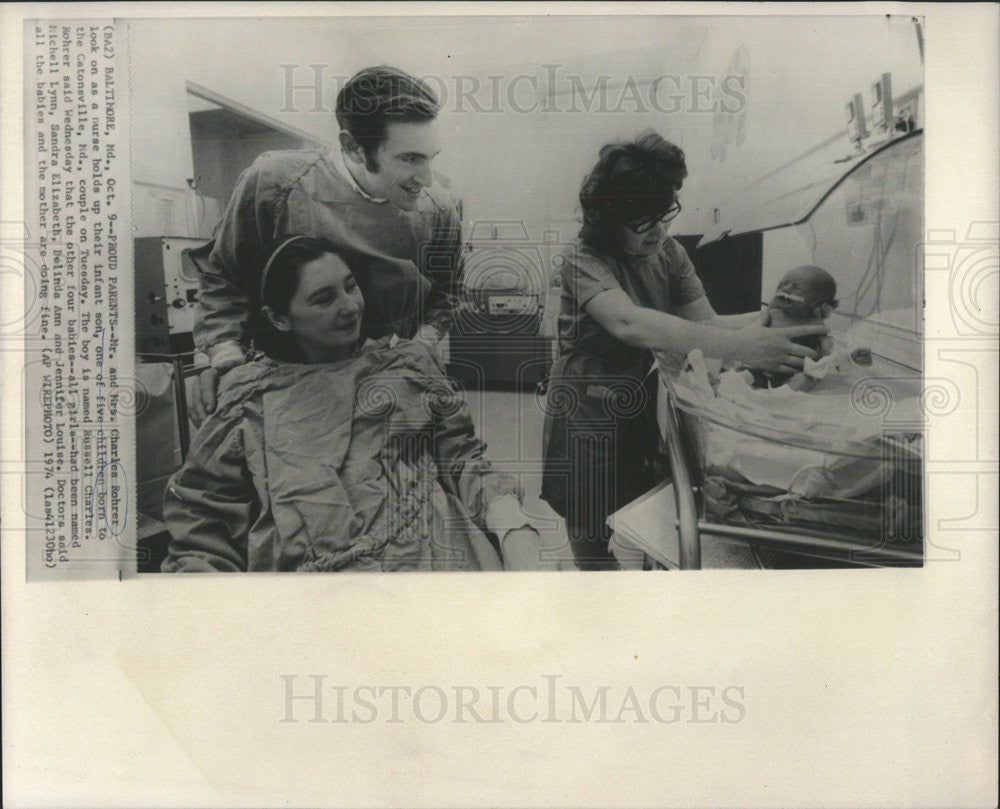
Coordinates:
(687, 510)
(180, 404)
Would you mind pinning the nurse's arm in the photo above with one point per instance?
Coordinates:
(701, 311)
(754, 345)
(648, 328)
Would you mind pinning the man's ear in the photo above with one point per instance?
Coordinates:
(280, 322)
(351, 148)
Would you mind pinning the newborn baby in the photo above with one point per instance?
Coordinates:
(806, 296)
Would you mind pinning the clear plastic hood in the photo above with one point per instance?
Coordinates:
(865, 232)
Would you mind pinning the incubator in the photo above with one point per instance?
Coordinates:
(835, 472)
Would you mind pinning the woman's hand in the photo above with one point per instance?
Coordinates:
(772, 349)
(203, 390)
(525, 549)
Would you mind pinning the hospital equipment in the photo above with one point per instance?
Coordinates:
(497, 341)
(166, 291)
(834, 474)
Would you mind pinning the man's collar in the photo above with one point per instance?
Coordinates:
(336, 156)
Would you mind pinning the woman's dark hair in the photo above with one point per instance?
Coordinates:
(376, 96)
(632, 180)
(275, 274)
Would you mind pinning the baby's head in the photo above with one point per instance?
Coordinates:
(806, 292)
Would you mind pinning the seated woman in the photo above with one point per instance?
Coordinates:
(327, 455)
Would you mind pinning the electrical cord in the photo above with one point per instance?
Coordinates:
(154, 299)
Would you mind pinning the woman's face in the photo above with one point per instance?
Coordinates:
(644, 244)
(645, 238)
(324, 314)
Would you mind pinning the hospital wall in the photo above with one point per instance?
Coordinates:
(867, 233)
(237, 59)
(513, 165)
(795, 81)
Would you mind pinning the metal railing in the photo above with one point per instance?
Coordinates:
(692, 523)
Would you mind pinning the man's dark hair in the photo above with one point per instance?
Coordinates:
(632, 181)
(377, 96)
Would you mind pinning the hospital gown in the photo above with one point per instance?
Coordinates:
(370, 463)
(405, 262)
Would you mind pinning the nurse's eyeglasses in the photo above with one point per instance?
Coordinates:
(646, 225)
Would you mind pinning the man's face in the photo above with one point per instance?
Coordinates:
(402, 164)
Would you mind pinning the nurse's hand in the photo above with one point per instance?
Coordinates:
(202, 395)
(772, 349)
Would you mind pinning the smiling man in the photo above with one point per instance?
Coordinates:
(374, 198)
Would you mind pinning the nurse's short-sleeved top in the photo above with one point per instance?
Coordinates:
(663, 282)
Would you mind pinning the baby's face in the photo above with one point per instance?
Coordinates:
(791, 297)
(801, 294)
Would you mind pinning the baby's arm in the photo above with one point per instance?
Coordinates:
(805, 382)
(826, 345)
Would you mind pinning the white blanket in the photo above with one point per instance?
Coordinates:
(824, 443)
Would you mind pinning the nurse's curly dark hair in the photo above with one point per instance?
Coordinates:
(632, 180)
(375, 97)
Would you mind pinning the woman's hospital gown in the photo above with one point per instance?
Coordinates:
(370, 463)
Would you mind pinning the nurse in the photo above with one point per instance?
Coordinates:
(628, 288)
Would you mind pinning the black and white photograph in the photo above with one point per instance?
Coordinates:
(649, 303)
(698, 304)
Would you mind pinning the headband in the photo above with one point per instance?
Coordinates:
(270, 261)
